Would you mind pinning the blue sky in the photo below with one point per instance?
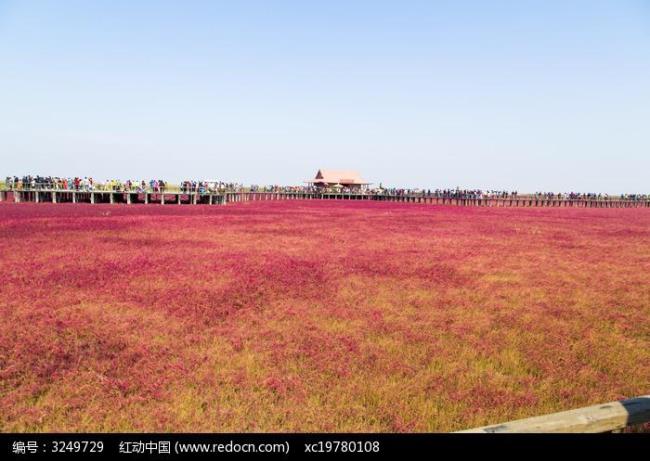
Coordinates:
(527, 95)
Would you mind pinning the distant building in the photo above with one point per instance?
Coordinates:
(338, 179)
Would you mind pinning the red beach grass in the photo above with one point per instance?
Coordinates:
(316, 316)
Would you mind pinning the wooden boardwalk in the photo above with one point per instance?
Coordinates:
(223, 198)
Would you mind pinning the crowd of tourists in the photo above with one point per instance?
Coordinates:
(88, 184)
(49, 182)
(447, 193)
(589, 196)
(287, 189)
(504, 194)
(85, 184)
(210, 187)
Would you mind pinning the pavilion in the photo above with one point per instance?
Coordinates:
(338, 179)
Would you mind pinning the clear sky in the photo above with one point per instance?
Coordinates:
(527, 95)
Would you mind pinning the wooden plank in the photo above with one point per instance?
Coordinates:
(597, 418)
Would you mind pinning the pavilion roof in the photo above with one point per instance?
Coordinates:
(337, 177)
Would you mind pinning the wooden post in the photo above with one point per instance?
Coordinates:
(606, 417)
(162, 199)
(53, 197)
(146, 198)
(74, 197)
(36, 197)
(128, 198)
(111, 199)
(179, 199)
(92, 197)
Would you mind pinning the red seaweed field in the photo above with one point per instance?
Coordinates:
(316, 315)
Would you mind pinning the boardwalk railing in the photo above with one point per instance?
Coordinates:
(606, 417)
(225, 197)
